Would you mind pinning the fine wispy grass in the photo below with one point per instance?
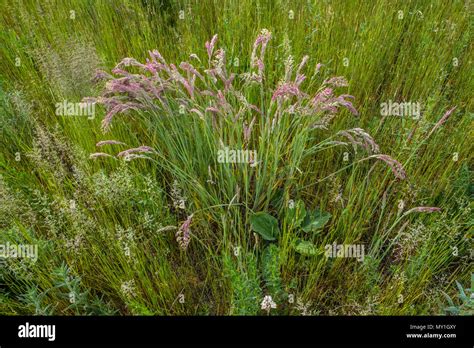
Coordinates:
(166, 229)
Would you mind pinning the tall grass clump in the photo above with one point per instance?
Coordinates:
(248, 172)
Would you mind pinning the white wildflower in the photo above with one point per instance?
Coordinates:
(268, 303)
(128, 288)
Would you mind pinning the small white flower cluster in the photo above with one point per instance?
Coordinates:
(126, 238)
(335, 191)
(179, 201)
(268, 304)
(128, 288)
(115, 188)
(73, 245)
(303, 308)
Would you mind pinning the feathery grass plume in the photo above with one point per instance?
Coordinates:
(287, 89)
(101, 75)
(188, 84)
(442, 120)
(210, 47)
(341, 100)
(336, 143)
(132, 156)
(337, 81)
(395, 166)
(325, 101)
(119, 108)
(129, 62)
(304, 60)
(197, 112)
(262, 40)
(166, 84)
(423, 210)
(99, 154)
(194, 56)
(219, 65)
(288, 64)
(183, 235)
(359, 137)
(139, 149)
(257, 58)
(247, 130)
(109, 142)
(213, 109)
(188, 67)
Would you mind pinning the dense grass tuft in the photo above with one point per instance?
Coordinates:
(132, 210)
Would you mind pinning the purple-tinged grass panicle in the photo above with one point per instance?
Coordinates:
(257, 60)
(395, 166)
(99, 154)
(140, 149)
(197, 112)
(183, 235)
(119, 108)
(101, 75)
(423, 210)
(442, 120)
(285, 90)
(125, 62)
(248, 130)
(109, 142)
(132, 156)
(325, 101)
(210, 46)
(155, 83)
(337, 81)
(359, 137)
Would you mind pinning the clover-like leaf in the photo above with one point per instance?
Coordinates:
(315, 220)
(265, 225)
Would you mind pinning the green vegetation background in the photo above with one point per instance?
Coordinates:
(417, 51)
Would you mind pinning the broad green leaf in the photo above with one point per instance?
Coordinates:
(315, 220)
(265, 225)
(306, 248)
(297, 213)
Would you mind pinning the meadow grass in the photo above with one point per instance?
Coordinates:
(106, 228)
